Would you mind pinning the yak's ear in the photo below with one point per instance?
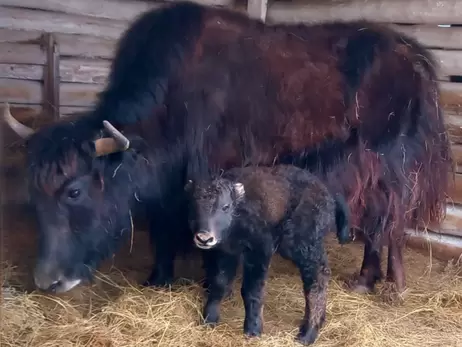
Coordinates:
(239, 190)
(189, 186)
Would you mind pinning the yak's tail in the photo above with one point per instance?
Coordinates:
(342, 219)
(148, 54)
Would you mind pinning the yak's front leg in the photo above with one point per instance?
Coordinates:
(219, 279)
(255, 268)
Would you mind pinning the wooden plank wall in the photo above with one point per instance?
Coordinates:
(85, 33)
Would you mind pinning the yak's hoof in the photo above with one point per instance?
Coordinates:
(211, 319)
(253, 329)
(359, 285)
(158, 281)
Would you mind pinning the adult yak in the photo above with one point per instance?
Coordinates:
(210, 89)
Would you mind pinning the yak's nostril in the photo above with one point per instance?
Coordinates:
(52, 288)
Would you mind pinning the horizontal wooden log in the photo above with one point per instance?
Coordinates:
(451, 97)
(84, 71)
(77, 94)
(30, 92)
(455, 190)
(451, 225)
(433, 36)
(70, 45)
(450, 62)
(122, 10)
(22, 71)
(411, 11)
(440, 246)
(457, 156)
(71, 70)
(22, 19)
(84, 46)
(16, 53)
(111, 9)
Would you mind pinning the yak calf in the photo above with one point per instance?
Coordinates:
(253, 212)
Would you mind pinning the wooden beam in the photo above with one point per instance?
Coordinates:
(70, 70)
(70, 45)
(457, 156)
(455, 191)
(433, 36)
(84, 46)
(121, 10)
(21, 71)
(110, 9)
(23, 19)
(31, 92)
(51, 77)
(451, 225)
(257, 9)
(443, 247)
(386, 11)
(451, 97)
(84, 71)
(16, 53)
(450, 61)
(77, 94)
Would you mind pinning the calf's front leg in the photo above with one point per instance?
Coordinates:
(255, 271)
(219, 279)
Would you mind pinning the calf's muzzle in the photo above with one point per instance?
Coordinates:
(205, 239)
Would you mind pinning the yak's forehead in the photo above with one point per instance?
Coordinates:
(54, 160)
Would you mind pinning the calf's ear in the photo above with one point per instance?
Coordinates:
(239, 190)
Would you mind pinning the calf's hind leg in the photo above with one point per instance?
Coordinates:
(311, 259)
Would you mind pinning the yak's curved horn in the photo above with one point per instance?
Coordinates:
(122, 141)
(116, 143)
(20, 129)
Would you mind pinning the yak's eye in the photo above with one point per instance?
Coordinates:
(225, 208)
(73, 193)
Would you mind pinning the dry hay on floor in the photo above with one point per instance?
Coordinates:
(431, 314)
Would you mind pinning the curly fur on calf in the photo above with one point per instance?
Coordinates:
(254, 212)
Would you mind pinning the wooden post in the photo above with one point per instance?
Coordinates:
(51, 78)
(257, 9)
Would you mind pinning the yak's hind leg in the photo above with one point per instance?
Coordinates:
(304, 246)
(395, 267)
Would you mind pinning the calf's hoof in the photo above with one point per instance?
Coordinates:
(307, 336)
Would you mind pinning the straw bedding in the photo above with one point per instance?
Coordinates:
(116, 312)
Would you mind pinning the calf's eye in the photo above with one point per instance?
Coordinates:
(225, 208)
(73, 193)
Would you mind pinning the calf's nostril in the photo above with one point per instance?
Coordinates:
(210, 239)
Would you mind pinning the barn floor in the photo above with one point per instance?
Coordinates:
(114, 312)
